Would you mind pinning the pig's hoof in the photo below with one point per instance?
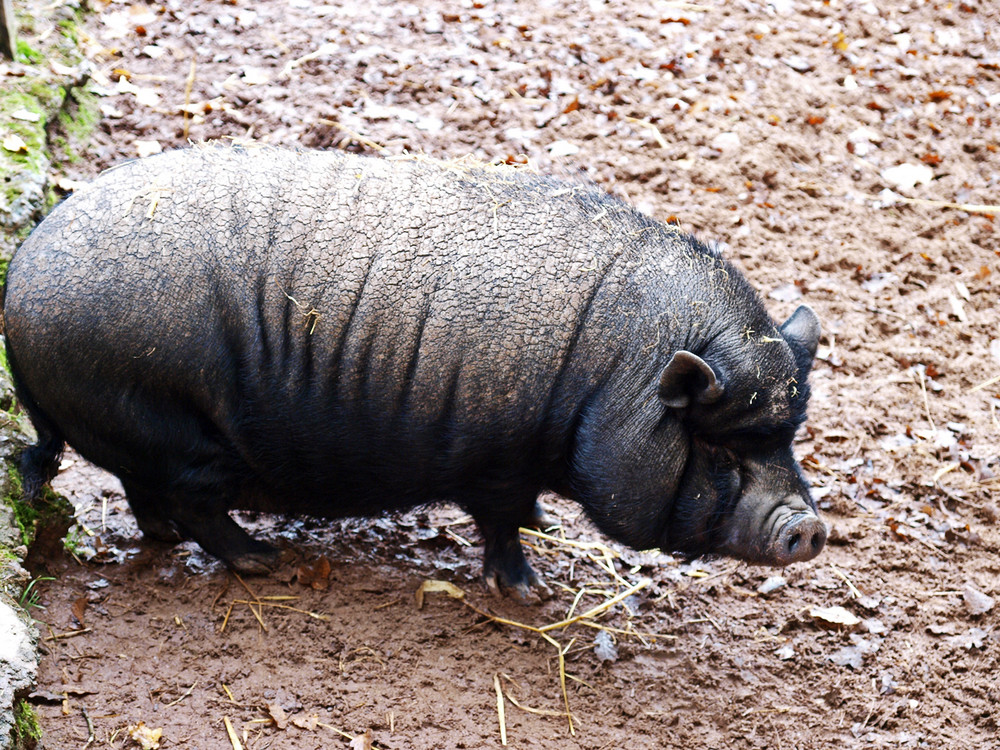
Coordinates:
(528, 588)
(258, 563)
(160, 529)
(539, 519)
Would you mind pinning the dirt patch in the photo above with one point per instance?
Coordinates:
(775, 128)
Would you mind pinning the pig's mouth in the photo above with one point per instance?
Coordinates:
(789, 532)
(800, 537)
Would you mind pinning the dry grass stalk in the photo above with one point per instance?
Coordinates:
(985, 384)
(927, 406)
(233, 739)
(314, 615)
(69, 634)
(342, 733)
(972, 208)
(229, 694)
(854, 591)
(605, 560)
(354, 136)
(500, 710)
(186, 694)
(188, 86)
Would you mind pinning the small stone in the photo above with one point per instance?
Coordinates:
(771, 584)
(797, 63)
(726, 142)
(563, 148)
(976, 602)
(785, 653)
(907, 176)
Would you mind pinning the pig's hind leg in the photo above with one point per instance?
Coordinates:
(148, 510)
(505, 567)
(204, 519)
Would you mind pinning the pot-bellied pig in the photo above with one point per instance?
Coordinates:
(325, 334)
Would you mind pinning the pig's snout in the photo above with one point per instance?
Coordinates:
(799, 535)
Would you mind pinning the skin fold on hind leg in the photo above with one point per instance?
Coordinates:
(202, 518)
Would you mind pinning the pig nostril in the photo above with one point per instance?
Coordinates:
(793, 543)
(817, 541)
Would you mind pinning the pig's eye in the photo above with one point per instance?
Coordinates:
(727, 478)
(725, 459)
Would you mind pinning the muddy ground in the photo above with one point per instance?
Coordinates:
(778, 128)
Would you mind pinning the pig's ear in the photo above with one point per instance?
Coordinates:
(803, 328)
(686, 378)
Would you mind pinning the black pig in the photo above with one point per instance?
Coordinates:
(324, 334)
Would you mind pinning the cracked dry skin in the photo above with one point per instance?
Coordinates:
(317, 333)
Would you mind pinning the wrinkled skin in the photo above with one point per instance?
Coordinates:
(330, 335)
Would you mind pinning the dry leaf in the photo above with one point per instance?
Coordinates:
(26, 115)
(437, 587)
(604, 647)
(15, 143)
(278, 715)
(976, 602)
(849, 656)
(315, 575)
(362, 741)
(771, 584)
(147, 97)
(145, 737)
(973, 639)
(786, 293)
(63, 70)
(79, 607)
(906, 176)
(836, 617)
(306, 722)
(563, 148)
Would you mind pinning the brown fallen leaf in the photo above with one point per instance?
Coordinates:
(362, 741)
(79, 607)
(306, 722)
(278, 715)
(315, 575)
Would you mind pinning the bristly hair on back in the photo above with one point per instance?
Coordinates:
(715, 248)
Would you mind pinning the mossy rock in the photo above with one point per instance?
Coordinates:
(52, 114)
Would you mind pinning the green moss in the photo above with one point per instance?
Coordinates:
(27, 54)
(25, 514)
(52, 197)
(68, 28)
(73, 541)
(81, 123)
(34, 157)
(27, 730)
(50, 95)
(49, 509)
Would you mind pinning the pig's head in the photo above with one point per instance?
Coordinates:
(702, 462)
(739, 404)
